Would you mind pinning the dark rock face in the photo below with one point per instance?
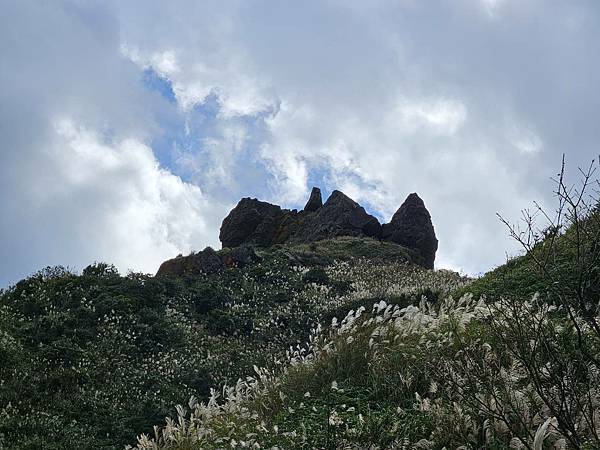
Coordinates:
(260, 223)
(339, 216)
(207, 261)
(411, 227)
(240, 257)
(253, 222)
(315, 201)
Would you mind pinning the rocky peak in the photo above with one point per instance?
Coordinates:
(315, 201)
(339, 199)
(413, 202)
(339, 216)
(260, 223)
(411, 227)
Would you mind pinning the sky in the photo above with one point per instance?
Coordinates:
(128, 130)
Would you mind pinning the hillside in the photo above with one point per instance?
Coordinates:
(506, 361)
(92, 360)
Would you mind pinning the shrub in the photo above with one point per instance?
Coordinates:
(316, 275)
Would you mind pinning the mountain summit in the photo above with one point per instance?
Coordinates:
(254, 222)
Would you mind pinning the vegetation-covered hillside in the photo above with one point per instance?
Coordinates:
(92, 360)
(508, 361)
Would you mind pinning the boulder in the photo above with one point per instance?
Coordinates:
(240, 257)
(207, 262)
(411, 227)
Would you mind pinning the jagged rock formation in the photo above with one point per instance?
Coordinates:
(339, 216)
(263, 224)
(207, 261)
(411, 227)
(315, 201)
(254, 222)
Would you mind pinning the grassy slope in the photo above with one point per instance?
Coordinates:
(381, 386)
(344, 248)
(523, 276)
(92, 360)
(161, 341)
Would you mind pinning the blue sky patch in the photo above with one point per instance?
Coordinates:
(155, 82)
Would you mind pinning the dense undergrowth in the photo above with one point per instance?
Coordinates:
(92, 360)
(412, 377)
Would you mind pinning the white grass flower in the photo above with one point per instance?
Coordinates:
(540, 434)
(335, 419)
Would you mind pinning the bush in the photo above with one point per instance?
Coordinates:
(205, 297)
(316, 275)
(100, 270)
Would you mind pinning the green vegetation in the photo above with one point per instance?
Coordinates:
(396, 378)
(549, 263)
(93, 360)
(344, 248)
(561, 260)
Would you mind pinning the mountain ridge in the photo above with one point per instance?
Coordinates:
(264, 224)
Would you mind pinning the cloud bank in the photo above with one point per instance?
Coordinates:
(129, 129)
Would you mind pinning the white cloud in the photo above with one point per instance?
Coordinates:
(140, 214)
(491, 7)
(110, 201)
(440, 115)
(387, 98)
(193, 80)
(78, 181)
(470, 104)
(525, 140)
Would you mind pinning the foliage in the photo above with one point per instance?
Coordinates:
(562, 255)
(92, 360)
(414, 377)
(346, 247)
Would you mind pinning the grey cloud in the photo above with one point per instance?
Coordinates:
(72, 198)
(469, 103)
